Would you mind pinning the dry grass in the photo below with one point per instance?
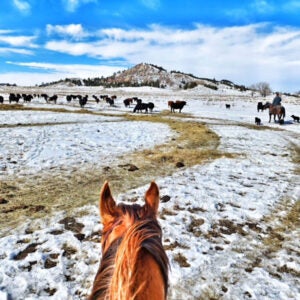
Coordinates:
(49, 109)
(291, 220)
(194, 143)
(286, 224)
(181, 260)
(38, 196)
(208, 291)
(296, 158)
(12, 107)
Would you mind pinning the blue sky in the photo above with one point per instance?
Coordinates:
(244, 41)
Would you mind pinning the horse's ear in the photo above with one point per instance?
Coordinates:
(152, 197)
(107, 204)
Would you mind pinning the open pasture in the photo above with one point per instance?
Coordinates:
(229, 191)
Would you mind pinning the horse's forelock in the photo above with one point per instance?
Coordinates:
(134, 211)
(126, 216)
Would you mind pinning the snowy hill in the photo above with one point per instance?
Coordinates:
(144, 74)
(152, 75)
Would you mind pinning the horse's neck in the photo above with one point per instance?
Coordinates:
(141, 265)
(151, 279)
(138, 277)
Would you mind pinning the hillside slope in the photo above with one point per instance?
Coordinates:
(151, 75)
(144, 74)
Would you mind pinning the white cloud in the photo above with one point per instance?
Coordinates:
(252, 9)
(156, 33)
(292, 6)
(26, 79)
(153, 4)
(18, 41)
(54, 72)
(8, 51)
(72, 48)
(5, 31)
(263, 7)
(75, 31)
(73, 5)
(22, 6)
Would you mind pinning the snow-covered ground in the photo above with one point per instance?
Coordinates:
(76, 142)
(215, 226)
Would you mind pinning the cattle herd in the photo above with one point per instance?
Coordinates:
(139, 105)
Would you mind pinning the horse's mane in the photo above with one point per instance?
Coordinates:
(105, 271)
(118, 265)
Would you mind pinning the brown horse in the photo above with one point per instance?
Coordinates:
(134, 264)
(276, 110)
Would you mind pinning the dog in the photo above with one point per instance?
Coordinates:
(257, 121)
(295, 118)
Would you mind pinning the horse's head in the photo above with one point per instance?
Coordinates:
(116, 219)
(266, 105)
(134, 264)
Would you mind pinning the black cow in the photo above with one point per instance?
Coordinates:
(111, 101)
(176, 105)
(52, 98)
(83, 101)
(150, 106)
(140, 107)
(27, 98)
(14, 98)
(127, 102)
(69, 98)
(260, 106)
(45, 96)
(96, 99)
